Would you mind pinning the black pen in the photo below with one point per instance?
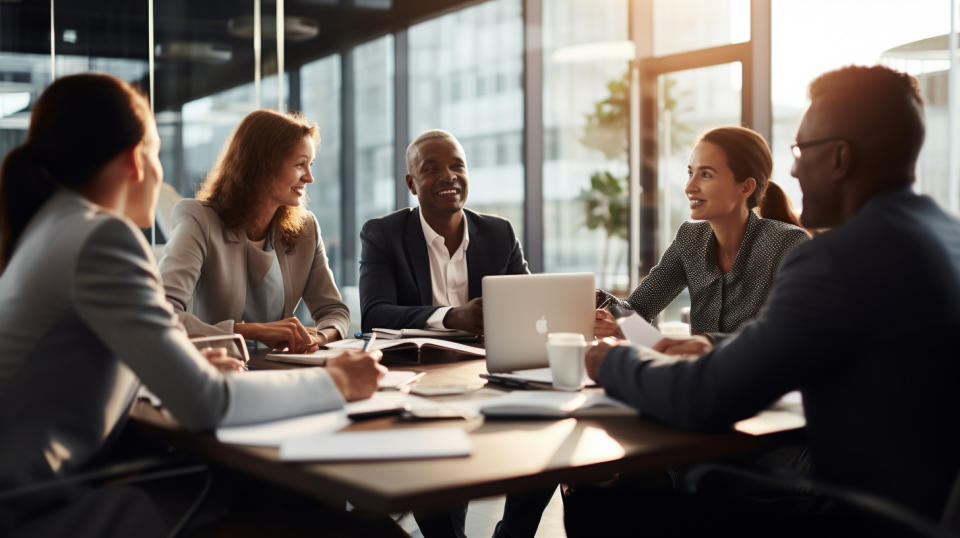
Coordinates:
(505, 381)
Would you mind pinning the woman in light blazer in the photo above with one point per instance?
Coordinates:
(84, 320)
(242, 255)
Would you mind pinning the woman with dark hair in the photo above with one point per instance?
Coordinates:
(242, 256)
(775, 205)
(84, 320)
(729, 258)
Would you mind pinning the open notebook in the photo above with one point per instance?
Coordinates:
(409, 343)
(555, 404)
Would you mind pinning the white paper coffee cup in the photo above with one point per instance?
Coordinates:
(565, 352)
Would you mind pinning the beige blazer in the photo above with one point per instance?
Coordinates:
(204, 269)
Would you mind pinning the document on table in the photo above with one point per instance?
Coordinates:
(416, 443)
(638, 330)
(276, 432)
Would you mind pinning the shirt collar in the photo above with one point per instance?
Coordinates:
(430, 236)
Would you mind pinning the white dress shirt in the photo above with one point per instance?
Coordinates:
(448, 274)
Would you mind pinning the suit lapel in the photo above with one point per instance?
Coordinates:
(417, 257)
(476, 268)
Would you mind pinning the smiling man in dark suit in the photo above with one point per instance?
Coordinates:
(421, 267)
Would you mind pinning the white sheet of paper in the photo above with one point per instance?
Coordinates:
(639, 331)
(395, 378)
(379, 445)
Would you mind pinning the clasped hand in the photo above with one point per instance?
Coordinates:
(287, 334)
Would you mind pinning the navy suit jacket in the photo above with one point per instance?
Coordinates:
(863, 320)
(395, 286)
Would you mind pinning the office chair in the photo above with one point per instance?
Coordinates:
(119, 474)
(877, 507)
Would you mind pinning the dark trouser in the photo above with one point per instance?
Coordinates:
(521, 517)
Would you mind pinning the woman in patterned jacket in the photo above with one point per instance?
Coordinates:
(729, 256)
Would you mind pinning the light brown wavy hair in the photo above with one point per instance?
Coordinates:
(243, 174)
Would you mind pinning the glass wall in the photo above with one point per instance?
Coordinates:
(466, 72)
(585, 118)
(373, 73)
(685, 25)
(851, 34)
(320, 88)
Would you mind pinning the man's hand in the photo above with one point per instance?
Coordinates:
(287, 334)
(356, 373)
(694, 345)
(604, 325)
(468, 317)
(217, 356)
(597, 353)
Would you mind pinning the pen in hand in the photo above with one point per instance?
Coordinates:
(369, 343)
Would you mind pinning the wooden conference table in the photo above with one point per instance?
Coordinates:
(508, 455)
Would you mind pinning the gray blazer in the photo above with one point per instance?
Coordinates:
(84, 320)
(204, 269)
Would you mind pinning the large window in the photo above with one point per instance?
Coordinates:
(374, 177)
(463, 71)
(585, 99)
(680, 26)
(320, 87)
(465, 74)
(855, 34)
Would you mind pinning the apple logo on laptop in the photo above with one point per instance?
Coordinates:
(542, 325)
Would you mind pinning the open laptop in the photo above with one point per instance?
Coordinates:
(519, 311)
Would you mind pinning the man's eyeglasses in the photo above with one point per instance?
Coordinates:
(798, 147)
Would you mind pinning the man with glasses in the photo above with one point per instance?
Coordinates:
(861, 319)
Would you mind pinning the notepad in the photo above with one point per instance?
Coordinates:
(555, 404)
(317, 358)
(420, 443)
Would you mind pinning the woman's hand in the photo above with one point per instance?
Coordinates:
(217, 356)
(605, 325)
(287, 334)
(356, 373)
